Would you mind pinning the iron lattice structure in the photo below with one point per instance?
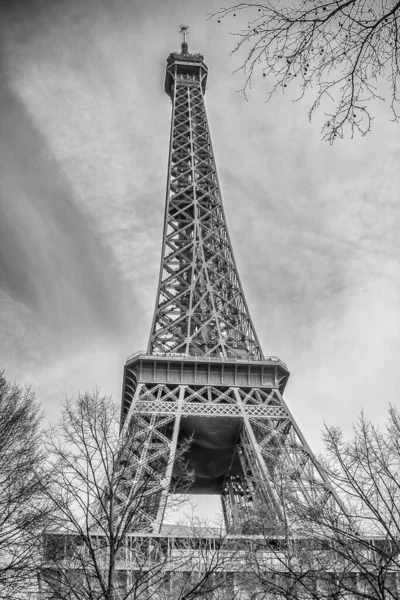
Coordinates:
(201, 307)
(203, 375)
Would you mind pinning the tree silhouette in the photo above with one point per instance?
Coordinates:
(99, 545)
(319, 552)
(23, 509)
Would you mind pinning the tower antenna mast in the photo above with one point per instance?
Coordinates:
(183, 29)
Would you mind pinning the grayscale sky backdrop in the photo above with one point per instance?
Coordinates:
(84, 127)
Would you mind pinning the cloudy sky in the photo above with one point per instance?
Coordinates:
(84, 126)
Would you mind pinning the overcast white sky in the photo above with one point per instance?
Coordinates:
(84, 126)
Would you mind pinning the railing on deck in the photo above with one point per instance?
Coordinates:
(204, 358)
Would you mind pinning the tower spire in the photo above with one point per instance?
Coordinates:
(183, 29)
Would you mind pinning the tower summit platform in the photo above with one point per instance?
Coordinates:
(186, 65)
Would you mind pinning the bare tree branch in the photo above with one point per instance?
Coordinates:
(100, 545)
(345, 51)
(23, 509)
(324, 554)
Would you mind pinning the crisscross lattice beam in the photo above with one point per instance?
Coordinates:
(200, 307)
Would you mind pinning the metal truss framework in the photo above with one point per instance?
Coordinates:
(272, 452)
(200, 308)
(200, 315)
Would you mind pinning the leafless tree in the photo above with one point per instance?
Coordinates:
(23, 509)
(346, 51)
(100, 546)
(321, 552)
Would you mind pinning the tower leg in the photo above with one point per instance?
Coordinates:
(172, 456)
(255, 461)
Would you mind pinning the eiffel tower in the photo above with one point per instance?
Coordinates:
(203, 376)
